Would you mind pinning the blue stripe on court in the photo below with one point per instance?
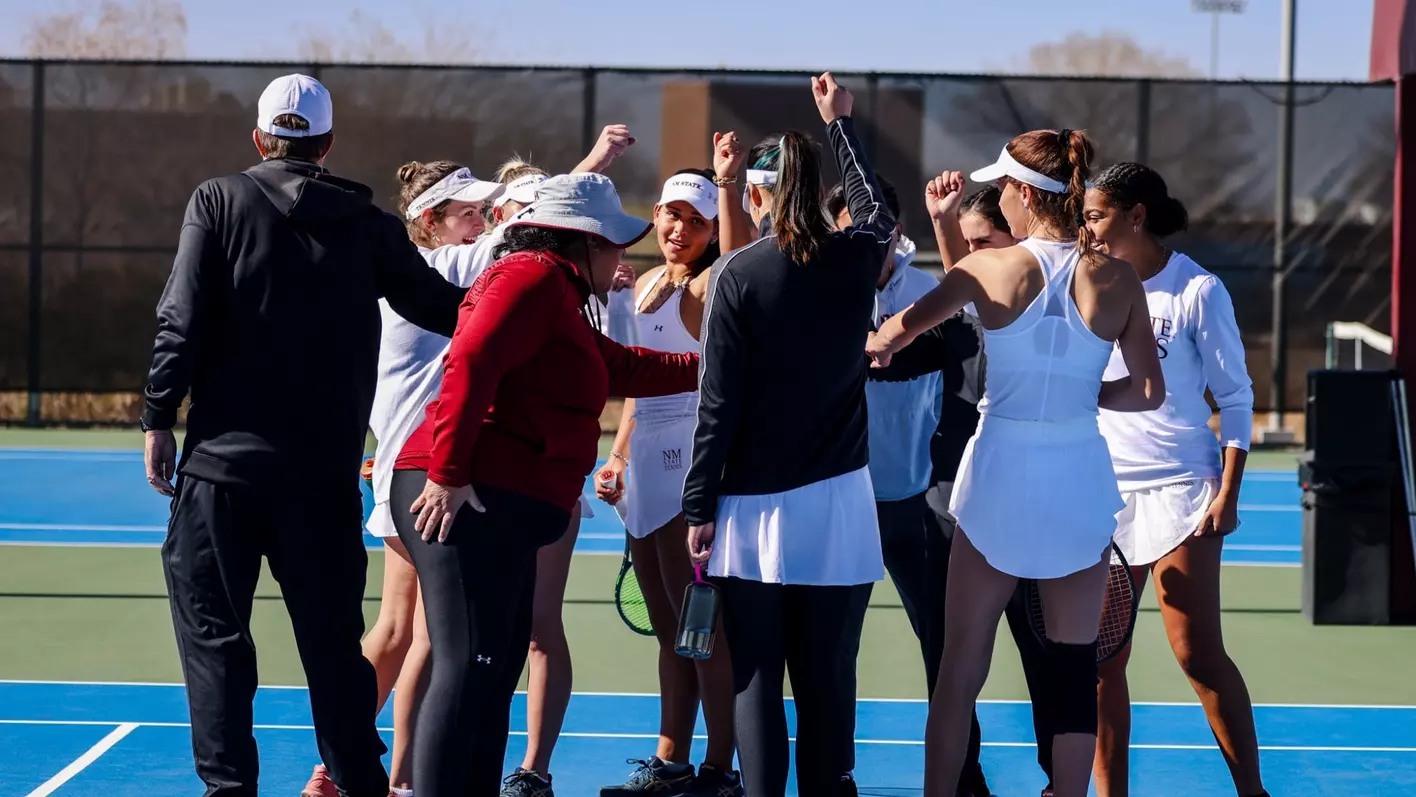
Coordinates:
(100, 498)
(1306, 749)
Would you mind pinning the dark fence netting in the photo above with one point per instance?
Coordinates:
(122, 145)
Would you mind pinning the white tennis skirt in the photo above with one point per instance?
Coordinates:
(1037, 499)
(659, 450)
(1157, 520)
(824, 534)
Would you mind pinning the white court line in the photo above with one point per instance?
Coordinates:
(75, 527)
(126, 728)
(655, 696)
(81, 763)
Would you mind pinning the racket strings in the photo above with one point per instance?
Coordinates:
(1118, 613)
(629, 599)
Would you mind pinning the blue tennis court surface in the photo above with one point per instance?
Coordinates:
(132, 739)
(102, 498)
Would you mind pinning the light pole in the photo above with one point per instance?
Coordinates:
(1214, 8)
(1282, 217)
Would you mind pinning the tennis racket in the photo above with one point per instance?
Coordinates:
(1118, 612)
(629, 600)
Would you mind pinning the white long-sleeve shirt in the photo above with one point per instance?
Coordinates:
(1197, 338)
(411, 369)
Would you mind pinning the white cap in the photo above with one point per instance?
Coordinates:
(583, 202)
(1007, 166)
(460, 186)
(521, 190)
(297, 95)
(695, 189)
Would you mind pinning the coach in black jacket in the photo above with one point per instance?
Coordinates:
(270, 320)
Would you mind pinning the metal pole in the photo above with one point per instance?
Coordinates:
(36, 242)
(1143, 120)
(1214, 46)
(1282, 216)
(588, 132)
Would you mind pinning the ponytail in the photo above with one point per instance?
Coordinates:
(1065, 156)
(1078, 149)
(797, 218)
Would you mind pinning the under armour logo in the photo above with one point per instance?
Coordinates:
(484, 659)
(658, 327)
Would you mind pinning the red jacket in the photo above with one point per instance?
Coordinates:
(525, 381)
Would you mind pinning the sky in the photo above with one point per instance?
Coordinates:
(945, 36)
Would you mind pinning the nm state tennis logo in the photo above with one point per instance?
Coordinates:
(673, 459)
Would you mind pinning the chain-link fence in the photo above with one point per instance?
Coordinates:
(97, 161)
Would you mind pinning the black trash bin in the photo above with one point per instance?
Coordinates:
(1347, 536)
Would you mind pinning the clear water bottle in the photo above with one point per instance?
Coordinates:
(698, 622)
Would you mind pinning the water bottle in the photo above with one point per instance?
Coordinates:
(698, 622)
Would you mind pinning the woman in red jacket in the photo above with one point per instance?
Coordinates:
(511, 437)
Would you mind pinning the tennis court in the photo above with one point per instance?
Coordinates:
(90, 707)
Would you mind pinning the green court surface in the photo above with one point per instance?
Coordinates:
(101, 614)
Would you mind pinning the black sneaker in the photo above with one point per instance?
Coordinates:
(525, 783)
(714, 782)
(848, 786)
(654, 776)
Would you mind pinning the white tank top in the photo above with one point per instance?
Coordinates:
(1047, 365)
(663, 330)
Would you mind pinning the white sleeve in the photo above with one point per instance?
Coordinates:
(1222, 360)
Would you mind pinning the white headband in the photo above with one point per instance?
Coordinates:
(460, 185)
(761, 177)
(1008, 166)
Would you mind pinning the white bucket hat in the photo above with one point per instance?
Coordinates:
(460, 186)
(584, 203)
(1008, 166)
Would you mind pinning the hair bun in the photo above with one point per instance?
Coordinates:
(409, 171)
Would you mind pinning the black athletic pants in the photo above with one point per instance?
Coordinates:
(813, 634)
(477, 592)
(1033, 654)
(313, 540)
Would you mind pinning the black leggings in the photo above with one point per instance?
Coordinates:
(813, 633)
(477, 594)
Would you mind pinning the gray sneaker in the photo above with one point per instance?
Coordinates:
(525, 783)
(654, 776)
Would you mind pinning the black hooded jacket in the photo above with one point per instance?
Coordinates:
(271, 320)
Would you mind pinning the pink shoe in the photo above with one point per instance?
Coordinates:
(320, 785)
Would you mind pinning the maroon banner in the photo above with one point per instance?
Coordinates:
(1393, 40)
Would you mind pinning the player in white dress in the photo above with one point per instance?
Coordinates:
(1180, 485)
(649, 461)
(1036, 495)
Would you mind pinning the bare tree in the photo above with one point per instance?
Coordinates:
(138, 29)
(1107, 54)
(368, 40)
(106, 177)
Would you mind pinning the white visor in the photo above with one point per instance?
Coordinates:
(521, 190)
(1006, 166)
(460, 186)
(761, 177)
(696, 190)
